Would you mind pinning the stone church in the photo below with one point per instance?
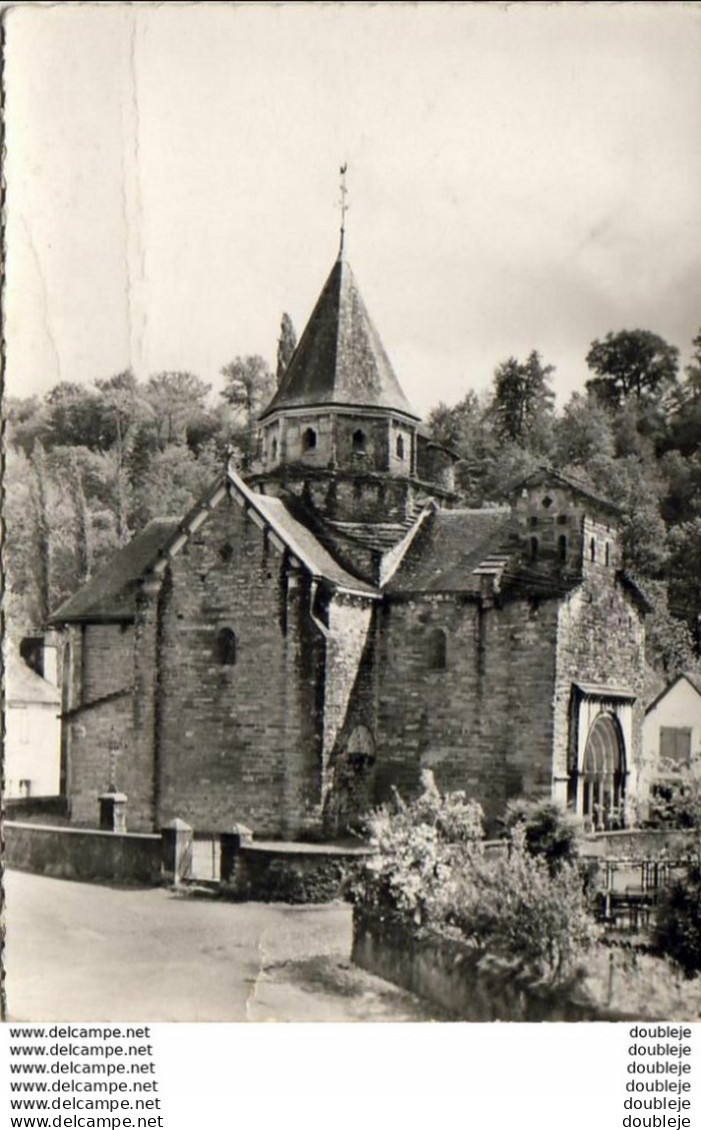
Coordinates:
(332, 622)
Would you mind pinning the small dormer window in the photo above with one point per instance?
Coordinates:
(309, 439)
(400, 447)
(359, 441)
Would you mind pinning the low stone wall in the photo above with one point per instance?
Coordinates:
(36, 808)
(445, 971)
(636, 843)
(82, 854)
(284, 872)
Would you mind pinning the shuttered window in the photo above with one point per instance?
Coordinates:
(675, 744)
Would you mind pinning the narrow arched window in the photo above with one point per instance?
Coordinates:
(226, 647)
(436, 650)
(562, 547)
(309, 439)
(592, 549)
(359, 440)
(400, 447)
(533, 548)
(607, 554)
(273, 448)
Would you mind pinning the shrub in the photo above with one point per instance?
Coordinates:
(675, 801)
(431, 871)
(677, 931)
(550, 832)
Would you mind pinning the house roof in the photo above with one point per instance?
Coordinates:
(340, 358)
(692, 677)
(448, 549)
(24, 685)
(111, 593)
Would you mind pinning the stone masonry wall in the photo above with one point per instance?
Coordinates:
(484, 723)
(601, 640)
(241, 742)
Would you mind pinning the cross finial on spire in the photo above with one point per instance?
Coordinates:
(344, 205)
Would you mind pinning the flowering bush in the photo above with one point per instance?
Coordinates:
(431, 870)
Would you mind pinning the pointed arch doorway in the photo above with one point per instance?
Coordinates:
(602, 775)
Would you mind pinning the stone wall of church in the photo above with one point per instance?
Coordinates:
(239, 703)
(473, 705)
(98, 728)
(601, 640)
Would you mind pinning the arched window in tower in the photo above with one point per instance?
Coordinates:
(359, 441)
(309, 439)
(436, 650)
(273, 449)
(562, 548)
(400, 447)
(226, 647)
(592, 549)
(533, 549)
(607, 554)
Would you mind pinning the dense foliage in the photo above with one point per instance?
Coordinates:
(432, 871)
(677, 932)
(549, 832)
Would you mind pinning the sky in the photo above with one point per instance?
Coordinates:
(519, 177)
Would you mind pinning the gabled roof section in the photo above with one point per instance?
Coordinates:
(23, 685)
(111, 594)
(446, 554)
(546, 474)
(294, 536)
(340, 358)
(691, 677)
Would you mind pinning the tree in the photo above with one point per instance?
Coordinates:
(42, 531)
(631, 363)
(177, 399)
(249, 386)
(583, 431)
(523, 400)
(286, 345)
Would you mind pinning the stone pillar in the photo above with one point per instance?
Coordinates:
(113, 812)
(230, 845)
(176, 852)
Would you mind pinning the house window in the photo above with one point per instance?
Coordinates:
(562, 547)
(400, 447)
(226, 647)
(675, 745)
(359, 440)
(436, 650)
(309, 439)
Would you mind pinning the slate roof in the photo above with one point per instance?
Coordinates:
(24, 685)
(340, 358)
(445, 553)
(110, 594)
(305, 546)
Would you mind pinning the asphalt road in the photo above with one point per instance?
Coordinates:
(77, 951)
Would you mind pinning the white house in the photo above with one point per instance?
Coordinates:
(32, 731)
(672, 726)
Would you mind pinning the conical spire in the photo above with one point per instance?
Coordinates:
(340, 358)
